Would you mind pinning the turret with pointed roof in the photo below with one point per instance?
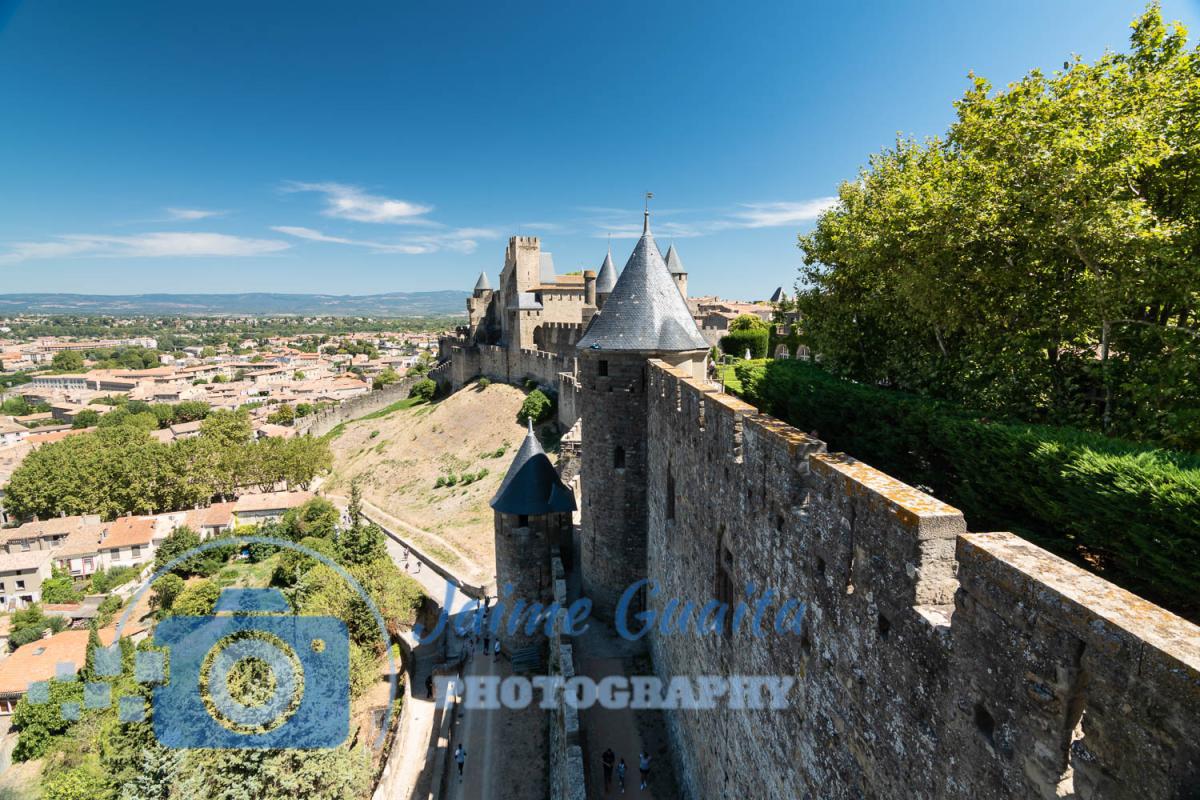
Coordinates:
(532, 514)
(532, 485)
(645, 312)
(482, 284)
(677, 270)
(644, 317)
(606, 278)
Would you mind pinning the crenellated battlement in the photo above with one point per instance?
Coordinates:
(935, 662)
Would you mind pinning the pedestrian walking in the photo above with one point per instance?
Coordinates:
(487, 641)
(621, 775)
(460, 758)
(429, 686)
(607, 759)
(644, 768)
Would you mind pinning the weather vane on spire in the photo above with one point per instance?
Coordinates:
(646, 214)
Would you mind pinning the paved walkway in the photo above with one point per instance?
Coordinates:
(506, 748)
(601, 652)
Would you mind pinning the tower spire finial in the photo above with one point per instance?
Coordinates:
(646, 214)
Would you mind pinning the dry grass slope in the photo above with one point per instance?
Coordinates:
(398, 459)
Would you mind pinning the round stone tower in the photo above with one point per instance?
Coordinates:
(644, 317)
(533, 512)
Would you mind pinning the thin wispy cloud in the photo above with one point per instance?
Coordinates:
(675, 230)
(192, 214)
(164, 244)
(459, 240)
(344, 201)
(776, 215)
(697, 222)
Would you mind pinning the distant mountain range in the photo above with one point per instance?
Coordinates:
(392, 304)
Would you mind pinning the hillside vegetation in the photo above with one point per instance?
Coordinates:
(464, 443)
(1128, 511)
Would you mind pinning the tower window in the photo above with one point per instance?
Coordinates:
(523, 521)
(619, 458)
(602, 367)
(670, 496)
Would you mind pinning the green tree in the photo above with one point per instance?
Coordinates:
(354, 508)
(77, 783)
(318, 517)
(285, 414)
(88, 673)
(67, 361)
(294, 565)
(156, 773)
(386, 377)
(60, 587)
(537, 407)
(361, 544)
(39, 723)
(748, 322)
(423, 390)
(190, 410)
(1039, 260)
(197, 600)
(337, 774)
(178, 542)
(30, 624)
(164, 593)
(87, 418)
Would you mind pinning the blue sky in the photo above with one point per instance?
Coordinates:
(363, 147)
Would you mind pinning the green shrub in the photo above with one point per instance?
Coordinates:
(104, 581)
(423, 390)
(483, 383)
(1128, 511)
(736, 343)
(537, 406)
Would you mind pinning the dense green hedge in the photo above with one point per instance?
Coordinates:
(1129, 512)
(735, 343)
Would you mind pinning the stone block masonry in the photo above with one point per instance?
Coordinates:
(934, 663)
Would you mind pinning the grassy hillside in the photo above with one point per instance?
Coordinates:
(399, 457)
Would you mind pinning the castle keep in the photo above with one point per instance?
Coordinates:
(934, 662)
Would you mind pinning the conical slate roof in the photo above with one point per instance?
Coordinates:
(606, 278)
(779, 296)
(532, 485)
(482, 283)
(645, 311)
(674, 262)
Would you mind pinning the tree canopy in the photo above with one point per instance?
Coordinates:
(120, 469)
(1042, 260)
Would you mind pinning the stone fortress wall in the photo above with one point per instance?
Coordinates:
(567, 774)
(513, 365)
(934, 663)
(323, 422)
